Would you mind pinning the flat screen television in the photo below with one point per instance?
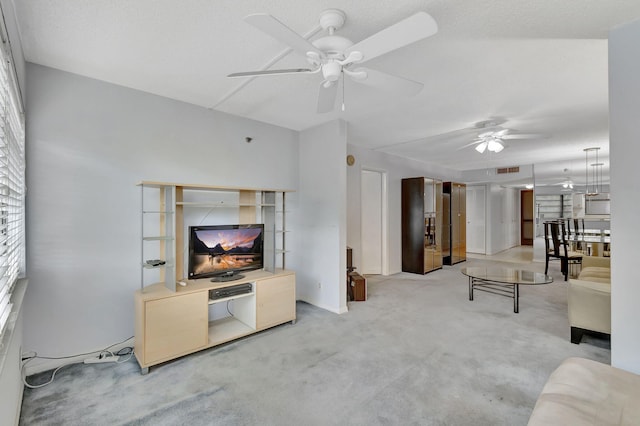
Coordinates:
(220, 251)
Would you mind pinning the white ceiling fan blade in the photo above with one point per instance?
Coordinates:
(327, 97)
(476, 142)
(281, 32)
(271, 72)
(416, 27)
(388, 82)
(524, 136)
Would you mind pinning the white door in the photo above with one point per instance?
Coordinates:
(476, 219)
(371, 221)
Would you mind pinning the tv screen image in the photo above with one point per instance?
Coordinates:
(223, 249)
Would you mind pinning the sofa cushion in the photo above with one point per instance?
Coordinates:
(595, 273)
(584, 392)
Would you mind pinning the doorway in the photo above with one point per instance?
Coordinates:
(373, 220)
(527, 227)
(476, 219)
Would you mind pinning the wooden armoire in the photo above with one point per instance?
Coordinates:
(421, 225)
(455, 223)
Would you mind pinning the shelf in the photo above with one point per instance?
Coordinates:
(222, 204)
(171, 206)
(224, 299)
(227, 329)
(198, 187)
(166, 265)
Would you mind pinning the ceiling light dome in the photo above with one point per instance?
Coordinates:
(494, 146)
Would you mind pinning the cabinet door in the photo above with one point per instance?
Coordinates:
(460, 249)
(462, 222)
(175, 326)
(275, 301)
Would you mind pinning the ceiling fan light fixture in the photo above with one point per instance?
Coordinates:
(494, 146)
(481, 147)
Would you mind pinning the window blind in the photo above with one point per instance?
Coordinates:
(12, 188)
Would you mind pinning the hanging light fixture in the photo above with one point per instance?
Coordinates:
(593, 171)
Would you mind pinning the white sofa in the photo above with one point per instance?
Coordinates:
(582, 392)
(589, 298)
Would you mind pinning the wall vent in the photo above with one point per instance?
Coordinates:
(503, 170)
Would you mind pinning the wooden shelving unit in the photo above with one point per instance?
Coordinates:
(167, 209)
(172, 320)
(455, 228)
(421, 225)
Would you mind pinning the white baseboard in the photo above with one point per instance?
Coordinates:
(325, 307)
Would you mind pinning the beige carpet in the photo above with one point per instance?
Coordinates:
(417, 352)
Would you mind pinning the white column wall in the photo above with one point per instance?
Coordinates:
(319, 256)
(502, 216)
(88, 144)
(624, 96)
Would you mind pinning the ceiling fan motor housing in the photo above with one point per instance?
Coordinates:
(333, 46)
(332, 19)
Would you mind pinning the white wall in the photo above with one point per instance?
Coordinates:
(503, 218)
(396, 168)
(319, 258)
(88, 144)
(523, 176)
(624, 96)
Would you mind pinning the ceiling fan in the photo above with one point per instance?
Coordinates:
(493, 140)
(335, 56)
(567, 185)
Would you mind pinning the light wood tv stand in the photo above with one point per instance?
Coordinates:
(173, 324)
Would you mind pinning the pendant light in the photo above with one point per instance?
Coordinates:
(593, 172)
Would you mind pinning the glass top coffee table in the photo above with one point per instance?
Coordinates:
(502, 281)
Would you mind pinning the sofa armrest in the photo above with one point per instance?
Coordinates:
(590, 305)
(599, 261)
(581, 392)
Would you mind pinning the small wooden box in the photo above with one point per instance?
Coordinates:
(359, 286)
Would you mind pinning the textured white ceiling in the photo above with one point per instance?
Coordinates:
(534, 66)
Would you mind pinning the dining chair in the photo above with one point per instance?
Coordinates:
(557, 247)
